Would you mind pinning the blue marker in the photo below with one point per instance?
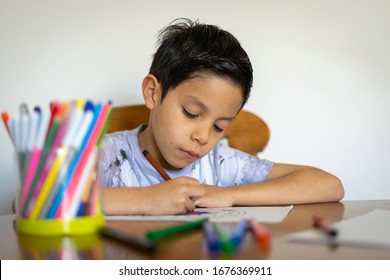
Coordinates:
(238, 233)
(211, 237)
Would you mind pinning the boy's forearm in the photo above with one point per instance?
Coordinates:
(309, 185)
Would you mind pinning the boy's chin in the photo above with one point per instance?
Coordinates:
(178, 165)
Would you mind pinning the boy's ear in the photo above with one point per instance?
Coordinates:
(151, 91)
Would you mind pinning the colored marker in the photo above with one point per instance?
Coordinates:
(260, 232)
(319, 222)
(16, 132)
(75, 163)
(95, 206)
(73, 121)
(79, 166)
(70, 209)
(211, 237)
(11, 126)
(40, 174)
(86, 196)
(31, 138)
(239, 232)
(25, 131)
(156, 165)
(35, 144)
(126, 238)
(23, 109)
(55, 108)
(224, 239)
(85, 181)
(176, 229)
(5, 117)
(53, 165)
(49, 181)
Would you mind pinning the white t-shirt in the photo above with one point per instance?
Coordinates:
(122, 164)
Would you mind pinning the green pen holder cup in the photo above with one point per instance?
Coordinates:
(58, 197)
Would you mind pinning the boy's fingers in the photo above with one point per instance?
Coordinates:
(190, 205)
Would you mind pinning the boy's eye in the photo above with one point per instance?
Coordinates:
(192, 116)
(188, 114)
(218, 129)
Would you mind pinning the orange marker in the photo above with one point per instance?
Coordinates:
(5, 118)
(260, 232)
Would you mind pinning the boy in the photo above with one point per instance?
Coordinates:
(199, 80)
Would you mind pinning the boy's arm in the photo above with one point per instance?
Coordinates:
(169, 197)
(286, 184)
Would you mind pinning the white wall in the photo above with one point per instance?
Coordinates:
(321, 71)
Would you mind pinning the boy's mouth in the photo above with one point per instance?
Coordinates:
(190, 154)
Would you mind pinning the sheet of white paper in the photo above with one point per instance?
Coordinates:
(231, 214)
(371, 229)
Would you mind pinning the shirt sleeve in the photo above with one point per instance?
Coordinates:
(111, 159)
(106, 162)
(235, 167)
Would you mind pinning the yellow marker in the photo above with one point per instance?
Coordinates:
(80, 103)
(47, 186)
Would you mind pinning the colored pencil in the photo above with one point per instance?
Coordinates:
(156, 165)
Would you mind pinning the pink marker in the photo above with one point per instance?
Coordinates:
(41, 127)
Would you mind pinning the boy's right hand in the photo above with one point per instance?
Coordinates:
(172, 197)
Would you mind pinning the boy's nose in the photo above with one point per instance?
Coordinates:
(201, 134)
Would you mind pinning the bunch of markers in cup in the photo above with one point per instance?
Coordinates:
(57, 152)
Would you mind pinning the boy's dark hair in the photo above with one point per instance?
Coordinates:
(187, 48)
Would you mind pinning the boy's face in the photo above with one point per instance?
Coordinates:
(190, 120)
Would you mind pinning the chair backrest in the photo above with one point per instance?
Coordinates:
(248, 132)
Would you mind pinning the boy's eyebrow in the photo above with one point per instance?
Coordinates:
(205, 108)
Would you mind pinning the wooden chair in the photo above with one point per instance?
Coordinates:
(248, 132)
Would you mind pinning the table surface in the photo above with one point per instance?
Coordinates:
(192, 245)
